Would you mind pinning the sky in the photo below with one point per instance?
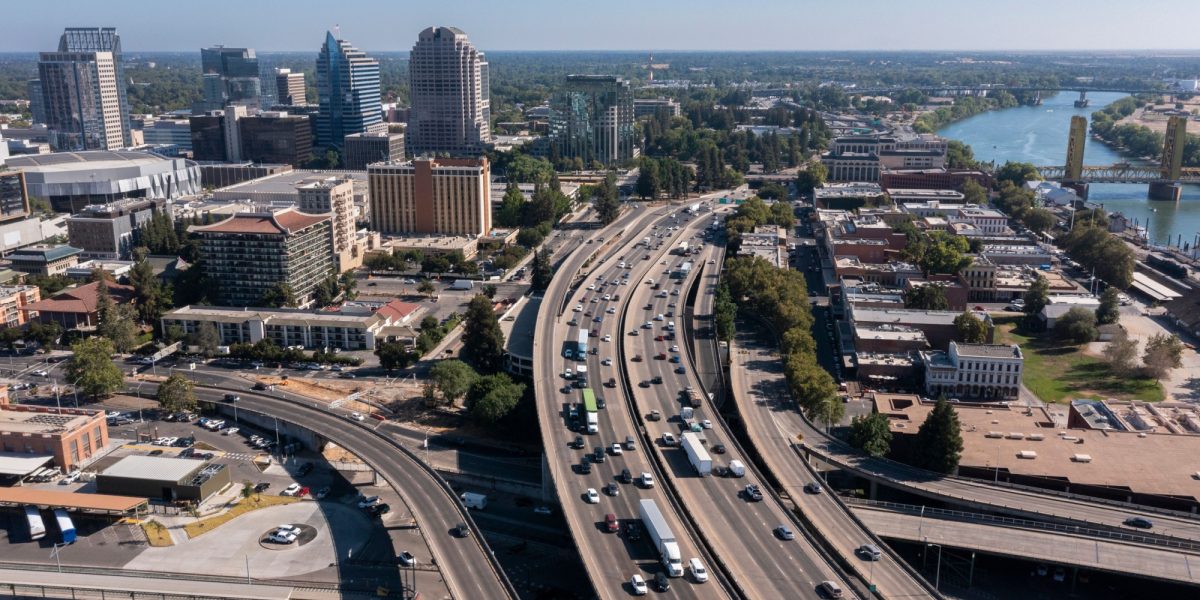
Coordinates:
(392, 25)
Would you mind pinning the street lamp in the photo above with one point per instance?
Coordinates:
(937, 578)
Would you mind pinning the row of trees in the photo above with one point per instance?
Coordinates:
(963, 107)
(755, 213)
(1096, 249)
(488, 398)
(780, 297)
(659, 176)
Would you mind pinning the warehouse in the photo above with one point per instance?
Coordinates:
(163, 478)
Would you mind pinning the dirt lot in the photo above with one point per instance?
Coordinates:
(1157, 121)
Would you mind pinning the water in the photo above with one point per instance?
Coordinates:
(1038, 134)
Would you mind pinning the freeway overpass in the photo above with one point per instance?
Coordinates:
(1062, 548)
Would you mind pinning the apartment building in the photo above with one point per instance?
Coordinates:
(974, 371)
(14, 300)
(335, 196)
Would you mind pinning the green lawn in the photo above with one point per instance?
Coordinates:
(1056, 372)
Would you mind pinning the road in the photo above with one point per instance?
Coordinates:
(740, 531)
(466, 564)
(611, 559)
(765, 405)
(1029, 544)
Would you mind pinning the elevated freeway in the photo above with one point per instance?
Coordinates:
(739, 531)
(467, 565)
(610, 559)
(1062, 548)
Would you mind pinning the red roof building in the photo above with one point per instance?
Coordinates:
(76, 308)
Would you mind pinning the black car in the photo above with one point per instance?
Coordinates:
(657, 379)
(584, 467)
(154, 452)
(612, 489)
(598, 455)
(626, 476)
(633, 532)
(262, 487)
(1139, 522)
(718, 448)
(232, 397)
(578, 443)
(661, 583)
(644, 383)
(376, 510)
(461, 530)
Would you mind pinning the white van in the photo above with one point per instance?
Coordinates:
(473, 500)
(831, 589)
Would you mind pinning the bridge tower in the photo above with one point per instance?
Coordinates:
(1083, 101)
(1172, 161)
(1076, 140)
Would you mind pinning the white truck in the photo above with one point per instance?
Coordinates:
(737, 469)
(694, 208)
(682, 249)
(697, 454)
(660, 534)
(593, 423)
(473, 500)
(462, 284)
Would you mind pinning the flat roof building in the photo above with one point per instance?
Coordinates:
(110, 231)
(431, 196)
(974, 371)
(169, 479)
(73, 180)
(69, 435)
(362, 149)
(352, 328)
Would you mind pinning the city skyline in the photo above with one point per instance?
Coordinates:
(758, 25)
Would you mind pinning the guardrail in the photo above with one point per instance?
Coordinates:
(142, 574)
(464, 515)
(1001, 521)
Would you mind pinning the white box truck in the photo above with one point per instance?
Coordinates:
(473, 500)
(462, 284)
(593, 423)
(660, 534)
(737, 469)
(697, 454)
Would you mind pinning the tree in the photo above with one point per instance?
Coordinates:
(483, 341)
(1121, 353)
(207, 338)
(648, 182)
(326, 290)
(489, 290)
(1078, 326)
(492, 397)
(939, 441)
(452, 379)
(176, 394)
(926, 297)
(429, 323)
(870, 434)
(1110, 307)
(278, 296)
(1163, 353)
(829, 410)
(92, 367)
(607, 202)
(349, 285)
(543, 272)
(147, 291)
(945, 253)
(812, 177)
(115, 321)
(1039, 220)
(973, 193)
(970, 329)
(1036, 299)
(426, 287)
(1017, 173)
(509, 214)
(393, 356)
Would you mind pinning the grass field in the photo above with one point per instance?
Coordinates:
(246, 505)
(1056, 372)
(156, 534)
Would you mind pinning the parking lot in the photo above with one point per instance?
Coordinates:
(339, 540)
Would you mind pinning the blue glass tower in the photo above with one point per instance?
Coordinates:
(348, 93)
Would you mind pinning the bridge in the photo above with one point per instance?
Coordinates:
(1164, 179)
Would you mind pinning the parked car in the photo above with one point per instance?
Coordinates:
(406, 559)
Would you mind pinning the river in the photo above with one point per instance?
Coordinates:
(1038, 134)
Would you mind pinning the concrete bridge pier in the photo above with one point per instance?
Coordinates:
(1165, 190)
(1081, 188)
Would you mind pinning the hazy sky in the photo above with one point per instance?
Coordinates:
(381, 25)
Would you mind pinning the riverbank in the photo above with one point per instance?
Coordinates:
(1154, 116)
(963, 108)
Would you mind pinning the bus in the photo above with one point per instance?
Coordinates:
(589, 400)
(66, 528)
(37, 529)
(581, 347)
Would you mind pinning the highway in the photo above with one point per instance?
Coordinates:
(763, 407)
(740, 531)
(1032, 544)
(466, 564)
(610, 559)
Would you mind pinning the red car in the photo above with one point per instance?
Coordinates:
(658, 338)
(610, 523)
(595, 333)
(661, 356)
(304, 491)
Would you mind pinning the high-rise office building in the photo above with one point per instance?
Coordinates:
(81, 101)
(37, 102)
(289, 87)
(435, 196)
(276, 138)
(362, 149)
(450, 92)
(102, 39)
(592, 118)
(348, 93)
(233, 131)
(208, 136)
(230, 76)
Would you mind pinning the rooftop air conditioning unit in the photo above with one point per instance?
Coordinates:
(1082, 458)
(1027, 454)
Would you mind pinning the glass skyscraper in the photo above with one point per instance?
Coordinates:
(83, 90)
(230, 77)
(592, 118)
(348, 93)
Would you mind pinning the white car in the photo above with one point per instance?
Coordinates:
(578, 308)
(230, 431)
(612, 310)
(41, 373)
(290, 490)
(287, 528)
(368, 502)
(699, 573)
(706, 424)
(592, 287)
(282, 538)
(608, 296)
(606, 362)
(616, 450)
(668, 439)
(354, 416)
(607, 338)
(591, 496)
(639, 585)
(647, 480)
